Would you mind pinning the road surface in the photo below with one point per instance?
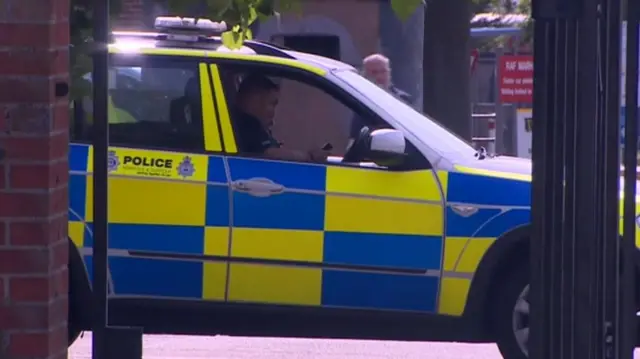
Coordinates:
(187, 347)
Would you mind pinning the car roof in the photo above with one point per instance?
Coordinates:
(320, 61)
(148, 40)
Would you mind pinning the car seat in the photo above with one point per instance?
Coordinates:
(187, 109)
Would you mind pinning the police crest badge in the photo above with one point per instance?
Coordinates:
(113, 162)
(186, 168)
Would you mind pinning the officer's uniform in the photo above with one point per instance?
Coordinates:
(252, 136)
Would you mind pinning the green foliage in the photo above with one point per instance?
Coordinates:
(80, 22)
(524, 7)
(404, 8)
(238, 14)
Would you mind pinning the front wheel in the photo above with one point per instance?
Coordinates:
(510, 315)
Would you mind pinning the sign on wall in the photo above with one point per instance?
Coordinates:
(474, 59)
(524, 125)
(515, 78)
(623, 74)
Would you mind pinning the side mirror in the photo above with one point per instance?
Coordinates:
(387, 147)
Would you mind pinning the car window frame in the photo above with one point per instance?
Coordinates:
(142, 60)
(415, 159)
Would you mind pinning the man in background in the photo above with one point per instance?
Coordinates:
(377, 68)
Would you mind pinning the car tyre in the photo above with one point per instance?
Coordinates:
(510, 314)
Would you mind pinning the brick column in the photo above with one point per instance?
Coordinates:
(34, 39)
(131, 16)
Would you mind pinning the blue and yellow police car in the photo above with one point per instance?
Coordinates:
(405, 234)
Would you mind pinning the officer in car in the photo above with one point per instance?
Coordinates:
(256, 102)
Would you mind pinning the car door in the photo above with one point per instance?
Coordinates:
(168, 200)
(332, 235)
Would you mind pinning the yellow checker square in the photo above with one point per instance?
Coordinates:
(136, 200)
(275, 284)
(216, 241)
(443, 177)
(214, 280)
(472, 254)
(214, 272)
(155, 164)
(452, 249)
(360, 214)
(278, 244)
(417, 185)
(76, 233)
(453, 295)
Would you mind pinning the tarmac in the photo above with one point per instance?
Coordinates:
(221, 347)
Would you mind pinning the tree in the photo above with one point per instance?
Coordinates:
(238, 14)
(446, 64)
(446, 44)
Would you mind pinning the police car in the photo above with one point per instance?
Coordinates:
(413, 238)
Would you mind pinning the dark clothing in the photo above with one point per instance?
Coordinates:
(401, 95)
(357, 123)
(252, 136)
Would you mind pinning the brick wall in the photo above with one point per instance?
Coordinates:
(307, 118)
(131, 17)
(34, 38)
(303, 108)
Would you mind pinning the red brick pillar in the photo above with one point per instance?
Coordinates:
(34, 41)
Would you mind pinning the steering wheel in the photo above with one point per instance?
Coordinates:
(357, 150)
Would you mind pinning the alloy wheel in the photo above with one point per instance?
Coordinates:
(520, 321)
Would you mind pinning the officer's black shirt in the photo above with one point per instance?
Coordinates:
(252, 136)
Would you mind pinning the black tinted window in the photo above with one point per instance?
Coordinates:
(153, 102)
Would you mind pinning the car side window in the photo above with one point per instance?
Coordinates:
(307, 115)
(153, 102)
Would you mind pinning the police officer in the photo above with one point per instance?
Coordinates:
(257, 99)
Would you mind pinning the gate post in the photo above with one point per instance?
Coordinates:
(34, 66)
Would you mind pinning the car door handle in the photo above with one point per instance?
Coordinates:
(258, 187)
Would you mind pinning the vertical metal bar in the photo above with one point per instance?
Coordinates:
(541, 185)
(584, 187)
(628, 328)
(100, 77)
(499, 110)
(567, 239)
(564, 152)
(610, 139)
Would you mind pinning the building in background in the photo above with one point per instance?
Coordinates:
(346, 30)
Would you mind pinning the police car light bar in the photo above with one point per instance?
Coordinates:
(188, 25)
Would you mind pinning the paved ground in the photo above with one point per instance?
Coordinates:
(183, 347)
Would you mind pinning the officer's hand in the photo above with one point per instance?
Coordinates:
(318, 155)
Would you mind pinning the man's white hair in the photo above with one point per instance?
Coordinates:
(376, 58)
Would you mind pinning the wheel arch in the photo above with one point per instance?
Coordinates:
(80, 298)
(508, 250)
(77, 266)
